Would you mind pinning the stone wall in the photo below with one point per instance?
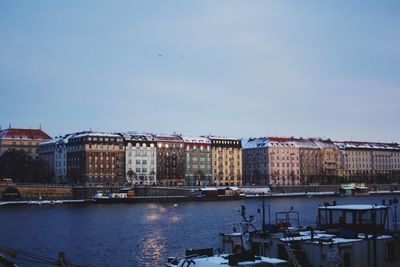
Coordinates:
(162, 191)
(80, 192)
(41, 192)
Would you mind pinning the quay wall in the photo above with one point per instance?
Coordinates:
(34, 192)
(163, 191)
(41, 192)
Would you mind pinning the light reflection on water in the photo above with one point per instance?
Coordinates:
(152, 217)
(152, 247)
(175, 218)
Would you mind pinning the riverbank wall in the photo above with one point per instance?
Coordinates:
(35, 192)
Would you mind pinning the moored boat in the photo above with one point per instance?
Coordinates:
(345, 235)
(243, 259)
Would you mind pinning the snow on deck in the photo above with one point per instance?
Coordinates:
(353, 207)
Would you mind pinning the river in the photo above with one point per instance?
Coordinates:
(144, 234)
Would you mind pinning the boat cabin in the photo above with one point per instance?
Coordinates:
(354, 218)
(353, 189)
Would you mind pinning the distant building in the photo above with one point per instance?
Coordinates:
(368, 160)
(256, 161)
(284, 155)
(310, 160)
(331, 164)
(27, 140)
(226, 161)
(55, 153)
(140, 159)
(198, 169)
(96, 159)
(170, 160)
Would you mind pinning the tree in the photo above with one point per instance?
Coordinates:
(19, 166)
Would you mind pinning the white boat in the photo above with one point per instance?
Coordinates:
(345, 235)
(226, 260)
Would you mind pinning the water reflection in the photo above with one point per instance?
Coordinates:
(152, 248)
(175, 218)
(152, 217)
(155, 206)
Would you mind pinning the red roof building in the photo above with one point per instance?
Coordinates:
(22, 139)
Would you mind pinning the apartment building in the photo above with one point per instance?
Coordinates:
(198, 169)
(95, 158)
(284, 161)
(255, 161)
(54, 152)
(170, 160)
(226, 161)
(27, 140)
(140, 159)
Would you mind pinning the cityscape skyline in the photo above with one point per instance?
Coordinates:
(212, 67)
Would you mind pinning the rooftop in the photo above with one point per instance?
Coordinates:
(28, 134)
(196, 140)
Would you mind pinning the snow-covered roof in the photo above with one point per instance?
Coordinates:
(235, 188)
(168, 138)
(281, 142)
(353, 207)
(320, 143)
(95, 134)
(134, 136)
(222, 260)
(213, 137)
(61, 139)
(305, 143)
(52, 141)
(209, 189)
(196, 140)
(367, 145)
(261, 142)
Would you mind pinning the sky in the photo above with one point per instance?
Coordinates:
(327, 69)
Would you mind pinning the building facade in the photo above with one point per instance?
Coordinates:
(331, 163)
(170, 160)
(54, 152)
(310, 160)
(356, 159)
(255, 161)
(96, 159)
(198, 171)
(27, 140)
(140, 159)
(284, 161)
(226, 161)
(368, 161)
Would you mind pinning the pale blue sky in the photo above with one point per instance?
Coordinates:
(233, 68)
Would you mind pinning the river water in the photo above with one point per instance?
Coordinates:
(144, 234)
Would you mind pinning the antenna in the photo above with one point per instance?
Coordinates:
(9, 125)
